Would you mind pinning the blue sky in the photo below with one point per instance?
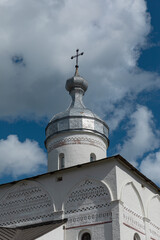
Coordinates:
(121, 42)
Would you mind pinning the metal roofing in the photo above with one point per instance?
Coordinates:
(77, 117)
(30, 231)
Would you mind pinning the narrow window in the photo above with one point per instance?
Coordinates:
(86, 236)
(61, 161)
(136, 237)
(92, 157)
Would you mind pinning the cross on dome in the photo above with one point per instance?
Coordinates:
(76, 56)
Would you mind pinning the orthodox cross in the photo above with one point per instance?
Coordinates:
(76, 56)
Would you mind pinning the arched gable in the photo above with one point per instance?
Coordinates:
(154, 210)
(25, 202)
(88, 202)
(132, 199)
(133, 209)
(153, 213)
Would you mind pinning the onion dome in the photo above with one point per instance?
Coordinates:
(77, 117)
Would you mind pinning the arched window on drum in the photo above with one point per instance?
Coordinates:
(61, 161)
(92, 157)
(86, 236)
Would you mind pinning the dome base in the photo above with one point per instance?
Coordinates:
(71, 149)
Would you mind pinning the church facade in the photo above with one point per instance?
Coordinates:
(85, 195)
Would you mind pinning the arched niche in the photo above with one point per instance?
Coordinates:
(61, 161)
(131, 198)
(85, 236)
(25, 202)
(154, 210)
(88, 202)
(133, 210)
(136, 237)
(92, 157)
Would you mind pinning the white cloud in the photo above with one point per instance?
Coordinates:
(46, 33)
(20, 158)
(117, 114)
(150, 166)
(142, 137)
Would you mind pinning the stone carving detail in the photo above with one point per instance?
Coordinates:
(132, 219)
(76, 140)
(154, 231)
(25, 202)
(89, 203)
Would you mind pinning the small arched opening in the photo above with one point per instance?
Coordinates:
(136, 237)
(86, 236)
(92, 157)
(61, 161)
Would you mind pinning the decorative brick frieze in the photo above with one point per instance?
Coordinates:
(28, 201)
(154, 231)
(133, 220)
(89, 203)
(76, 140)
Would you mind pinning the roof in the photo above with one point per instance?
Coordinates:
(118, 157)
(30, 231)
(77, 117)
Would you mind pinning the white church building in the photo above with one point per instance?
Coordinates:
(85, 195)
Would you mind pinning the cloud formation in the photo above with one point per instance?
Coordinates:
(150, 166)
(37, 39)
(20, 158)
(142, 137)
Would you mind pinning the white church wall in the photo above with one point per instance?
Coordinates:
(135, 193)
(124, 176)
(97, 232)
(88, 203)
(154, 217)
(60, 184)
(70, 178)
(115, 220)
(103, 174)
(56, 234)
(24, 203)
(154, 204)
(132, 201)
(88, 208)
(132, 218)
(59, 189)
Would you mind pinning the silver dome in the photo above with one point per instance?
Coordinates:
(77, 117)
